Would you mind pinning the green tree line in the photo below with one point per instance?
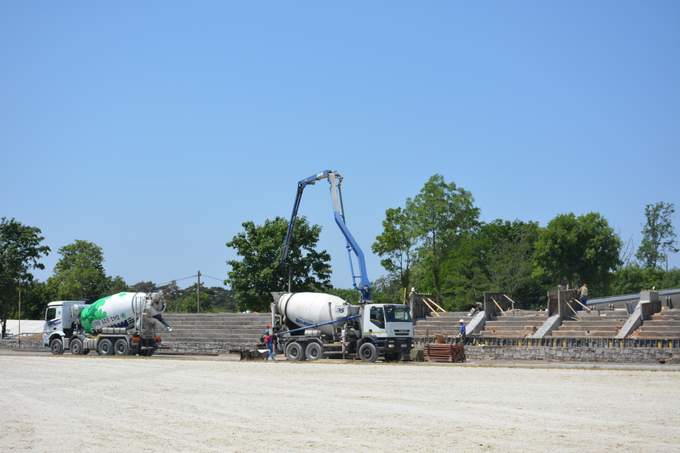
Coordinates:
(78, 275)
(435, 243)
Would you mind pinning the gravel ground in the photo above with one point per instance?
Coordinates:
(96, 404)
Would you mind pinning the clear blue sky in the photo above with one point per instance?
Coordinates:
(154, 129)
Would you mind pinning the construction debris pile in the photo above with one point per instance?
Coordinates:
(250, 354)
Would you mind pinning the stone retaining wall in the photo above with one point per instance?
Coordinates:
(583, 354)
(203, 346)
(25, 344)
(616, 355)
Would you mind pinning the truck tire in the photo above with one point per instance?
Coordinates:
(76, 347)
(368, 352)
(57, 346)
(295, 352)
(393, 357)
(314, 351)
(105, 348)
(147, 352)
(121, 347)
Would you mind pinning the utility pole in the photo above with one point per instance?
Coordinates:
(198, 293)
(19, 307)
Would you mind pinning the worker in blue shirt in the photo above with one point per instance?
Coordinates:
(462, 329)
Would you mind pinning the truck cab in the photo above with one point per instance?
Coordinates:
(388, 328)
(61, 320)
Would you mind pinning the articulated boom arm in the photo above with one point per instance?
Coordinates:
(334, 180)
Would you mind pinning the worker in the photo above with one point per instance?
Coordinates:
(476, 309)
(583, 292)
(462, 329)
(269, 342)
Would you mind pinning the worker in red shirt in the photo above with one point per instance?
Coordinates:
(269, 342)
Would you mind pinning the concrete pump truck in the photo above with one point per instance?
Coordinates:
(310, 326)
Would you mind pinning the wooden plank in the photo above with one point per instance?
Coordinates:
(499, 307)
(436, 305)
(430, 307)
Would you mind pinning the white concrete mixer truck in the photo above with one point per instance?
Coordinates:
(310, 326)
(315, 325)
(121, 324)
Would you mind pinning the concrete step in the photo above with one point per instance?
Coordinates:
(591, 324)
(655, 322)
(507, 335)
(647, 328)
(516, 321)
(584, 334)
(449, 314)
(658, 336)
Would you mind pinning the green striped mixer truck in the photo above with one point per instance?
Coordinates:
(121, 324)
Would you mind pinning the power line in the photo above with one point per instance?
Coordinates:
(218, 279)
(176, 280)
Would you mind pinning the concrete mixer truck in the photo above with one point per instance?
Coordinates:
(315, 325)
(310, 326)
(121, 324)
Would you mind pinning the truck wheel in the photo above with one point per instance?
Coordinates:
(314, 351)
(105, 347)
(394, 357)
(76, 347)
(368, 352)
(121, 347)
(57, 346)
(147, 352)
(294, 352)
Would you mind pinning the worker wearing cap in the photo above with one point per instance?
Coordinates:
(462, 329)
(583, 291)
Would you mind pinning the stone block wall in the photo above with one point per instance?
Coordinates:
(583, 354)
(198, 347)
(25, 344)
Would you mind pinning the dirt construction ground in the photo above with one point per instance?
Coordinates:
(97, 404)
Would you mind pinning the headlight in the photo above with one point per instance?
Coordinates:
(390, 345)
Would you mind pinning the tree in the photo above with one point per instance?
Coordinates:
(260, 272)
(145, 287)
(172, 292)
(507, 253)
(584, 249)
(117, 285)
(658, 234)
(396, 243)
(444, 216)
(20, 251)
(222, 299)
(190, 302)
(79, 273)
(635, 278)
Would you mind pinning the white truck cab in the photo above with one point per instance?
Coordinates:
(61, 318)
(390, 329)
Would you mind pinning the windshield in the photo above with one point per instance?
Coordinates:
(50, 314)
(397, 314)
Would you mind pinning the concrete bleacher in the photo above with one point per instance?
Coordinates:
(234, 330)
(665, 324)
(593, 324)
(445, 324)
(514, 324)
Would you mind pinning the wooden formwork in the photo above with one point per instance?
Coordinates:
(494, 303)
(420, 308)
